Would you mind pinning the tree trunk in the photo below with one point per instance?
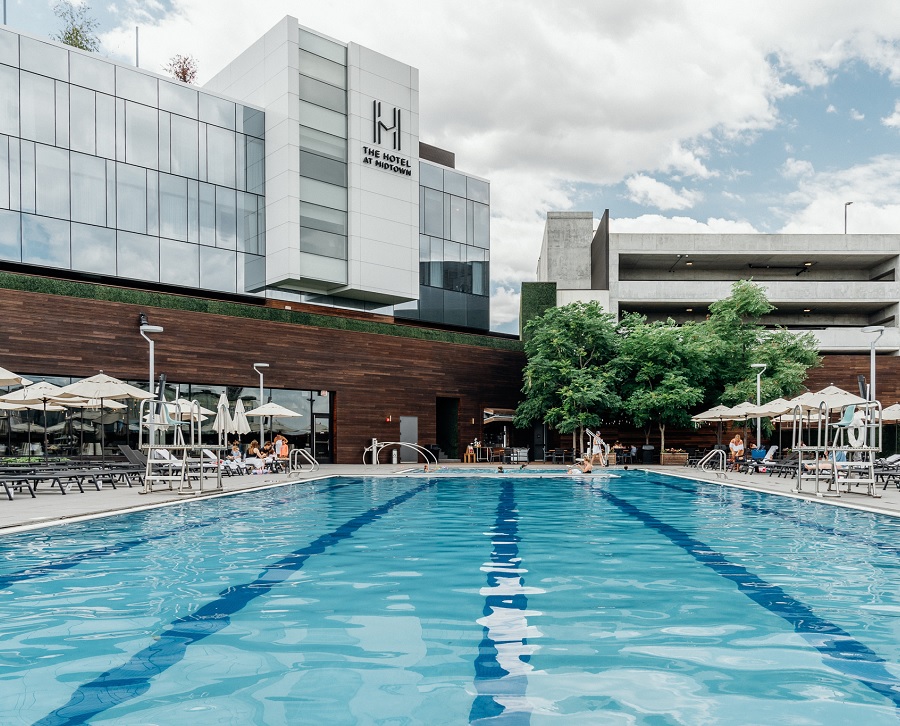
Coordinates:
(574, 444)
(662, 437)
(647, 435)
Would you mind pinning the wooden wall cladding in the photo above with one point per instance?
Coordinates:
(373, 376)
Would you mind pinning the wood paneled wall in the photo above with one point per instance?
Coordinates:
(373, 376)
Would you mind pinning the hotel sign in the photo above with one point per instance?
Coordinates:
(386, 127)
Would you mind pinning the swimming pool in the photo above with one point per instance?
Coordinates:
(639, 599)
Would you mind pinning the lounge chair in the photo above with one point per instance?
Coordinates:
(754, 465)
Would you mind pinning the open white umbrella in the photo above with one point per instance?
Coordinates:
(239, 423)
(8, 378)
(832, 396)
(222, 423)
(274, 410)
(40, 394)
(891, 414)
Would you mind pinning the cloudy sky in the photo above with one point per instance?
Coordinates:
(690, 115)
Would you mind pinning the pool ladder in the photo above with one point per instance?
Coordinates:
(716, 458)
(299, 459)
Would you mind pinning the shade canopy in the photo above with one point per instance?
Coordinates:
(832, 396)
(772, 408)
(891, 414)
(716, 413)
(273, 409)
(105, 387)
(39, 393)
(8, 378)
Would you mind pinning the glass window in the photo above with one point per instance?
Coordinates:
(10, 236)
(334, 147)
(43, 58)
(137, 256)
(184, 147)
(89, 190)
(482, 224)
(201, 146)
(84, 121)
(110, 193)
(218, 269)
(92, 72)
(9, 109)
(323, 94)
(317, 242)
(38, 99)
(178, 98)
(479, 278)
(434, 213)
(173, 206)
(217, 111)
(153, 202)
(322, 119)
(326, 195)
(106, 126)
(141, 135)
(454, 183)
(131, 199)
(208, 215)
(27, 176)
(180, 263)
(248, 223)
(478, 190)
(325, 70)
(4, 172)
(240, 162)
(62, 115)
(454, 308)
(424, 247)
(256, 170)
(323, 218)
(164, 140)
(322, 46)
(193, 211)
(220, 156)
(470, 222)
(431, 176)
(120, 129)
(457, 219)
(478, 314)
(226, 218)
(136, 86)
(9, 48)
(45, 241)
(254, 121)
(326, 170)
(93, 249)
(14, 178)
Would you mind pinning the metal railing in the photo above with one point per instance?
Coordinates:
(299, 458)
(376, 447)
(716, 454)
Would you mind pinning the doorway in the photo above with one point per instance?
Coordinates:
(409, 434)
(447, 426)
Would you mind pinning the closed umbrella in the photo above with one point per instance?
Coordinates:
(222, 423)
(239, 423)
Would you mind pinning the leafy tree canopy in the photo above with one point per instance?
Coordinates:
(79, 27)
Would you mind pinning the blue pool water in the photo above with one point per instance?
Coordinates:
(517, 600)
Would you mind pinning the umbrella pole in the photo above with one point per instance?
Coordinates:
(102, 437)
(46, 440)
(81, 437)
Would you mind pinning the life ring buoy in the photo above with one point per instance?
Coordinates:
(856, 432)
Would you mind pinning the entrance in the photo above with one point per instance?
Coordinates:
(321, 437)
(448, 426)
(409, 434)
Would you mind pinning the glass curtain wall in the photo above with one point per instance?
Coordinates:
(111, 171)
(454, 249)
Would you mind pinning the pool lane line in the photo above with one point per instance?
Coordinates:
(883, 546)
(491, 679)
(72, 560)
(132, 679)
(841, 651)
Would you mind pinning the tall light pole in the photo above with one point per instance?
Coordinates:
(262, 419)
(145, 328)
(846, 204)
(761, 368)
(873, 329)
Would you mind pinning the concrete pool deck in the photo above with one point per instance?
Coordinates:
(51, 508)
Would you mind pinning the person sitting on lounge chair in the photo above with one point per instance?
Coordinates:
(836, 460)
(255, 457)
(736, 445)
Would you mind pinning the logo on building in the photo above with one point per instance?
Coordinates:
(379, 125)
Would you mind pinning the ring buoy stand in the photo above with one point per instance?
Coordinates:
(856, 433)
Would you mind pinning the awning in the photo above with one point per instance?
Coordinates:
(499, 415)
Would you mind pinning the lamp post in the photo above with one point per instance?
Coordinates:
(846, 204)
(761, 368)
(262, 419)
(145, 327)
(873, 329)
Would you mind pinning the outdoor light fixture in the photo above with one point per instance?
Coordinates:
(761, 367)
(144, 329)
(880, 330)
(846, 204)
(142, 319)
(262, 400)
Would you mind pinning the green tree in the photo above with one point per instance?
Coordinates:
(79, 28)
(568, 380)
(664, 368)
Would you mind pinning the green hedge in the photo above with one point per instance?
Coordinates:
(536, 298)
(91, 291)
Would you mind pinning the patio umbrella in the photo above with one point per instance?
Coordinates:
(274, 410)
(891, 414)
(222, 424)
(8, 378)
(102, 386)
(38, 394)
(84, 404)
(832, 396)
(239, 423)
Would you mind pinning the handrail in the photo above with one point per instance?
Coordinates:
(376, 447)
(714, 454)
(295, 463)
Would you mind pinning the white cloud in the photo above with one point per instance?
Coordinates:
(831, 108)
(893, 121)
(856, 115)
(794, 168)
(678, 225)
(505, 310)
(643, 189)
